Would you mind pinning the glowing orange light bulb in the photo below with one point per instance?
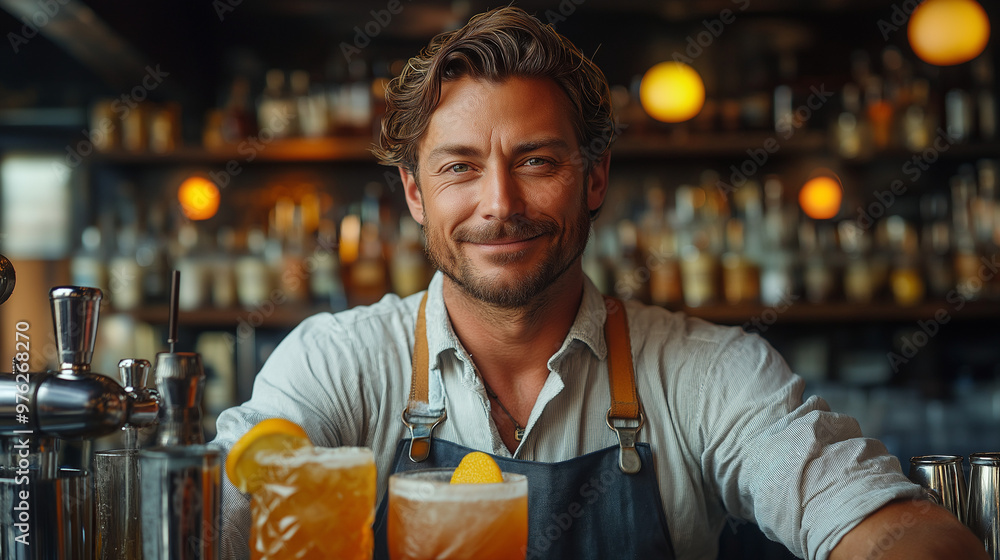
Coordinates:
(948, 32)
(199, 198)
(672, 92)
(820, 197)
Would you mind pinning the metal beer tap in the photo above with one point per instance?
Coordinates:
(66, 409)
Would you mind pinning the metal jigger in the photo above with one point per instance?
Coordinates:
(181, 477)
(180, 379)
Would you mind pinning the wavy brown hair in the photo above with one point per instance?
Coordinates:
(502, 43)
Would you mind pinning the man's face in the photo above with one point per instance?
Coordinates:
(502, 194)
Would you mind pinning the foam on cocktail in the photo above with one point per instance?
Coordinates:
(344, 457)
(433, 485)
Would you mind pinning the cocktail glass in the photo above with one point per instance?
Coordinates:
(314, 503)
(431, 519)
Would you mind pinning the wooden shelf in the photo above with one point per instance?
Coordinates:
(293, 150)
(800, 312)
(280, 316)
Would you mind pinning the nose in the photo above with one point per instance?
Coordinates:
(500, 195)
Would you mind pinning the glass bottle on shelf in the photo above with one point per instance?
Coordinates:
(408, 266)
(190, 260)
(253, 276)
(236, 120)
(740, 275)
(880, 113)
(223, 269)
(310, 106)
(935, 242)
(919, 124)
(124, 274)
(778, 263)
(858, 278)
(818, 274)
(292, 275)
(325, 283)
(658, 249)
(630, 276)
(966, 259)
(276, 110)
(986, 101)
(985, 215)
(153, 258)
(958, 115)
(905, 280)
(851, 127)
(699, 244)
(367, 269)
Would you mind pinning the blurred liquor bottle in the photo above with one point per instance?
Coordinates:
(362, 252)
(779, 278)
(408, 266)
(935, 240)
(906, 279)
(277, 110)
(658, 249)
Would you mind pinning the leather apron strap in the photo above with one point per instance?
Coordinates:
(624, 416)
(418, 415)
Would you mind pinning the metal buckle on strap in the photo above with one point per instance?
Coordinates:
(628, 458)
(421, 432)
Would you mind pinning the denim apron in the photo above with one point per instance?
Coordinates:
(603, 505)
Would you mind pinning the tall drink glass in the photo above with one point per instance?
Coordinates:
(314, 503)
(431, 519)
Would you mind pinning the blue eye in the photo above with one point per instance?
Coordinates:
(535, 162)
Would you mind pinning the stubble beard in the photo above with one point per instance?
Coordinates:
(521, 291)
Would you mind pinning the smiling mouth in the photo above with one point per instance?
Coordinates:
(506, 242)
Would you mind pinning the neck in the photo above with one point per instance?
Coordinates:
(508, 342)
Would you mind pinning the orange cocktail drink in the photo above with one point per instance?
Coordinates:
(313, 503)
(430, 519)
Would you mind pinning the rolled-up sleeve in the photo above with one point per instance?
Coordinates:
(805, 475)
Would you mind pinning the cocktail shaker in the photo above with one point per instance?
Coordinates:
(943, 476)
(984, 501)
(181, 478)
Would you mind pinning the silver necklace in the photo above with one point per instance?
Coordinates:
(518, 430)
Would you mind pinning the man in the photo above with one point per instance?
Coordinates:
(500, 131)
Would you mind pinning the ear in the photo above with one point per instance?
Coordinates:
(414, 200)
(597, 184)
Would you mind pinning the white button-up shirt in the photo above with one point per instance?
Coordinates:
(724, 417)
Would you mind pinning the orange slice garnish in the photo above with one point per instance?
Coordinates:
(273, 435)
(477, 468)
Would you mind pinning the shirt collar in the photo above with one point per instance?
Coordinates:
(588, 327)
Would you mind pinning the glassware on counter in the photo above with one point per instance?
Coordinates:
(431, 518)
